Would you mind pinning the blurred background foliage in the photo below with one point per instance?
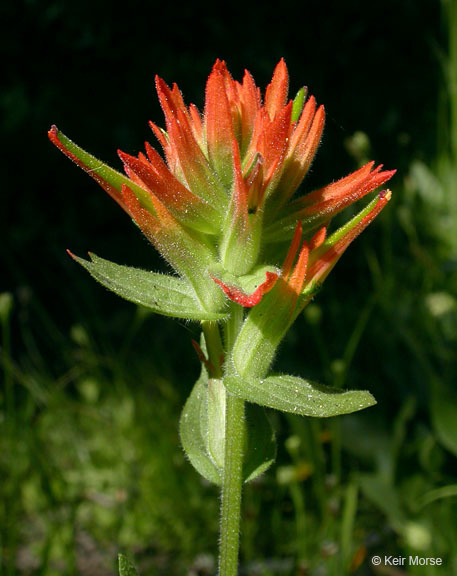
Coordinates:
(91, 389)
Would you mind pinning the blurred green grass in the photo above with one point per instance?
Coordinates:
(92, 388)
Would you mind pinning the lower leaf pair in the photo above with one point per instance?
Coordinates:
(203, 439)
(203, 416)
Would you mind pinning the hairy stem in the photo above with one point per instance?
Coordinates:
(231, 487)
(234, 444)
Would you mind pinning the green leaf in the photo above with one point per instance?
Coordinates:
(201, 440)
(261, 443)
(193, 428)
(216, 396)
(444, 414)
(298, 396)
(167, 295)
(126, 568)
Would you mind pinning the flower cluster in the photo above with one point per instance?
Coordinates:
(220, 206)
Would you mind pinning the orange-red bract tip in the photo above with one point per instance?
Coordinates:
(276, 92)
(298, 276)
(386, 194)
(52, 132)
(70, 254)
(319, 238)
(53, 135)
(325, 261)
(248, 300)
(288, 262)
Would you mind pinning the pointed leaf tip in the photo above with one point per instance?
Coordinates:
(297, 396)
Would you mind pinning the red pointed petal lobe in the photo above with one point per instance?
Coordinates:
(289, 261)
(304, 142)
(170, 100)
(219, 128)
(158, 133)
(276, 93)
(248, 300)
(182, 203)
(324, 261)
(193, 163)
(335, 197)
(250, 104)
(159, 180)
(196, 124)
(298, 277)
(304, 124)
(306, 149)
(318, 239)
(276, 137)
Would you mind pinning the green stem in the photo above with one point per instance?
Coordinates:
(233, 327)
(231, 487)
(235, 430)
(214, 348)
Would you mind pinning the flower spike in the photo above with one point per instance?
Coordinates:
(219, 205)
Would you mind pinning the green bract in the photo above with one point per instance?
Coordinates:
(166, 295)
